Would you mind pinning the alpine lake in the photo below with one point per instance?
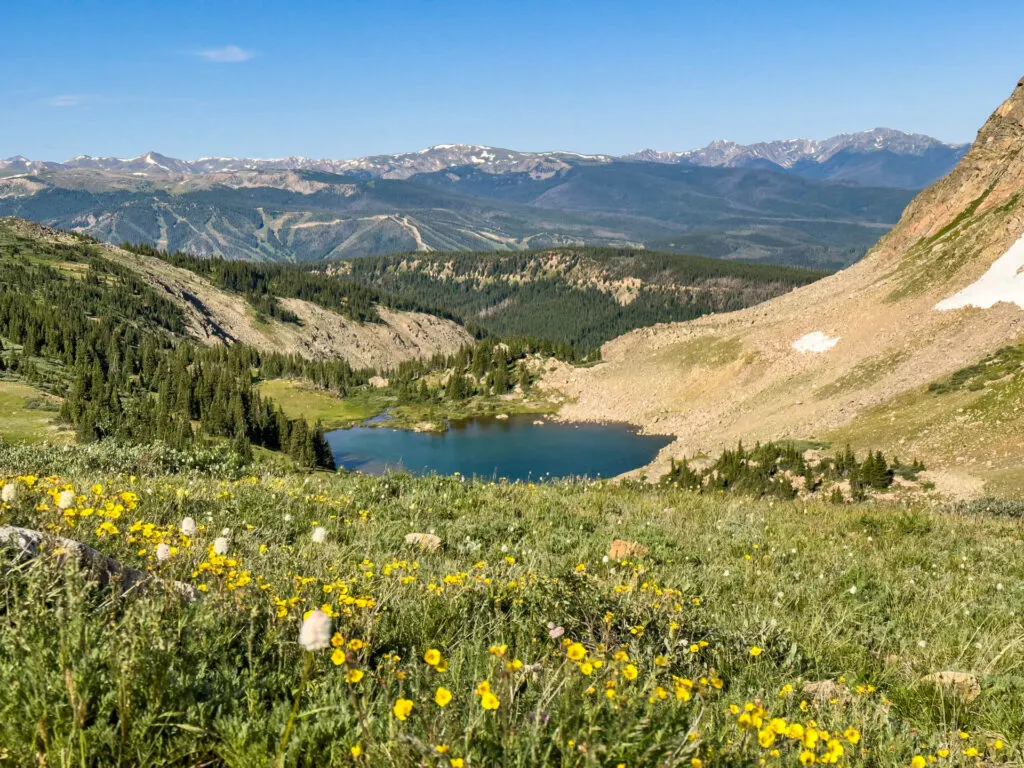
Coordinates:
(519, 447)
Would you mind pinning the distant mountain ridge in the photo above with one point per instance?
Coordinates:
(398, 166)
(879, 157)
(930, 157)
(789, 152)
(803, 202)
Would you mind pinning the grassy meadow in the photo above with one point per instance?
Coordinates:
(299, 399)
(747, 633)
(28, 414)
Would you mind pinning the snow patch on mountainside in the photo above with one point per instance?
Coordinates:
(1002, 282)
(815, 341)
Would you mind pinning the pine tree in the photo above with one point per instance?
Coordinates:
(525, 379)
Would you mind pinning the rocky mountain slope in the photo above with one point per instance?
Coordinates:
(215, 316)
(852, 356)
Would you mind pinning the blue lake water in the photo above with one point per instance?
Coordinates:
(513, 448)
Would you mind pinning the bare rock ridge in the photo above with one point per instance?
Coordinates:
(719, 379)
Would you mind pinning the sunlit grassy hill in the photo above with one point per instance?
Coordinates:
(719, 631)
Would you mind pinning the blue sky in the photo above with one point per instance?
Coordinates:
(344, 79)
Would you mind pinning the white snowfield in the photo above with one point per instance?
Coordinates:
(1002, 282)
(815, 342)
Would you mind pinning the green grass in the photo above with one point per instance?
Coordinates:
(300, 399)
(437, 414)
(28, 415)
(871, 597)
(926, 263)
(1004, 362)
(864, 374)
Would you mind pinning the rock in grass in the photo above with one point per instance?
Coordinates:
(621, 549)
(963, 684)
(428, 542)
(31, 544)
(827, 692)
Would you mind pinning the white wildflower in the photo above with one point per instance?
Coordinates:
(188, 526)
(853, 590)
(315, 634)
(9, 494)
(319, 535)
(221, 545)
(163, 552)
(66, 500)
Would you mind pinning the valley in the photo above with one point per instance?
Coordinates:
(318, 452)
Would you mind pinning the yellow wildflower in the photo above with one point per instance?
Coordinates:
(402, 708)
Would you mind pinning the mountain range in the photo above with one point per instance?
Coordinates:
(810, 203)
(922, 159)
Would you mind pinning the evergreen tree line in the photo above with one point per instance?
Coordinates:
(488, 367)
(124, 370)
(262, 283)
(507, 295)
(522, 294)
(771, 469)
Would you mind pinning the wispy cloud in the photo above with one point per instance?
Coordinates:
(67, 100)
(227, 54)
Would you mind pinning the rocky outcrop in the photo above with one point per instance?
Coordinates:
(29, 544)
(428, 542)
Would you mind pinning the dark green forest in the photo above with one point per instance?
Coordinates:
(777, 470)
(522, 294)
(510, 295)
(86, 329)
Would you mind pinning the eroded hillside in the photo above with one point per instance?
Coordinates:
(214, 316)
(832, 360)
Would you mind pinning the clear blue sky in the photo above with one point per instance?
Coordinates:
(344, 79)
